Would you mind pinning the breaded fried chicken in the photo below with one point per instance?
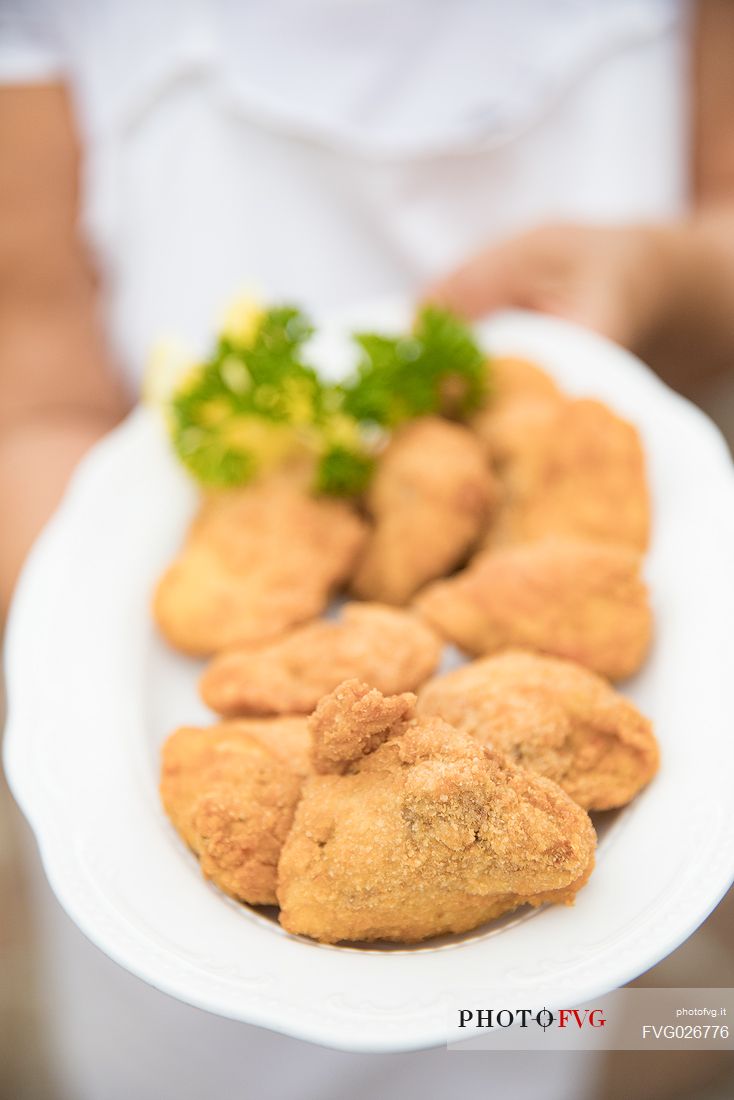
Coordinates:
(520, 395)
(430, 499)
(568, 597)
(515, 383)
(570, 468)
(554, 717)
(414, 829)
(231, 792)
(256, 562)
(389, 648)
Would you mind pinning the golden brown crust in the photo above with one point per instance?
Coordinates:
(514, 378)
(569, 467)
(429, 833)
(231, 792)
(391, 649)
(554, 717)
(256, 562)
(570, 598)
(430, 498)
(352, 721)
(513, 382)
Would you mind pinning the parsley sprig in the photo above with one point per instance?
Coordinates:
(256, 401)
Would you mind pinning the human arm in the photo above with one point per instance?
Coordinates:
(58, 390)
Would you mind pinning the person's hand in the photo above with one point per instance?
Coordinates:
(610, 279)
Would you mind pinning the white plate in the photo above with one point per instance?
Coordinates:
(92, 693)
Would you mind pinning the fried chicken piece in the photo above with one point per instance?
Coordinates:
(353, 721)
(516, 379)
(425, 832)
(231, 792)
(567, 597)
(430, 498)
(570, 468)
(389, 648)
(553, 717)
(256, 562)
(514, 382)
(520, 393)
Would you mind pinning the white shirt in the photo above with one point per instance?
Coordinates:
(332, 150)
